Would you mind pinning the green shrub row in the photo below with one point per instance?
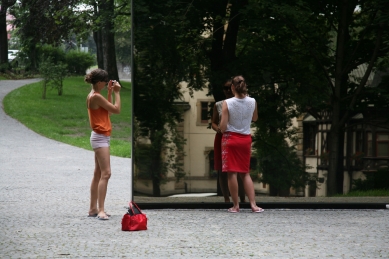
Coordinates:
(374, 181)
(77, 62)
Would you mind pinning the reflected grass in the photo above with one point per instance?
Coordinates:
(65, 118)
(369, 193)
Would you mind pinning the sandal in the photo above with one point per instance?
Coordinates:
(258, 210)
(232, 210)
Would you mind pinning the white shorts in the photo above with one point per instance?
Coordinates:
(99, 140)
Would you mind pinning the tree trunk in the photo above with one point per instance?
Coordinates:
(224, 44)
(339, 88)
(97, 37)
(333, 159)
(156, 162)
(3, 37)
(231, 36)
(99, 48)
(108, 39)
(5, 4)
(216, 55)
(110, 55)
(340, 165)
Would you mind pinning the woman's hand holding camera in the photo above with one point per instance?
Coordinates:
(114, 85)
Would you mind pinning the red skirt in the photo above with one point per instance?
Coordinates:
(217, 152)
(236, 152)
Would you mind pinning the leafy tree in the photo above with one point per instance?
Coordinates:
(360, 36)
(307, 49)
(41, 22)
(53, 75)
(4, 6)
(158, 72)
(123, 31)
(204, 50)
(105, 19)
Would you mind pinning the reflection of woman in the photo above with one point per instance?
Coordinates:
(237, 114)
(99, 109)
(217, 110)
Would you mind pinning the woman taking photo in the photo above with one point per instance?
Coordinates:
(99, 110)
(237, 114)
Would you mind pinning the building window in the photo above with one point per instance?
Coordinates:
(359, 141)
(382, 144)
(378, 144)
(310, 131)
(369, 137)
(204, 112)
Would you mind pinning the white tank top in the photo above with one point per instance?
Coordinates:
(240, 112)
(219, 106)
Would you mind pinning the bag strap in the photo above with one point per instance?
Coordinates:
(136, 206)
(131, 206)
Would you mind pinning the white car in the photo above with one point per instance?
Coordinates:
(12, 54)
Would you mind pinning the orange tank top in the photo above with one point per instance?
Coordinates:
(99, 120)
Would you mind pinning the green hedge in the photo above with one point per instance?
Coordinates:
(376, 180)
(78, 62)
(55, 54)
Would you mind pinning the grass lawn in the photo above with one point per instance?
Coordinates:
(375, 193)
(65, 118)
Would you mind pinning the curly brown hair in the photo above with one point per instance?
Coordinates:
(96, 75)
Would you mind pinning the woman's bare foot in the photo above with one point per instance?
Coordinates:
(93, 213)
(103, 216)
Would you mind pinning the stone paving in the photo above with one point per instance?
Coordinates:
(44, 187)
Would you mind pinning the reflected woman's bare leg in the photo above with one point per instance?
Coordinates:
(242, 193)
(223, 182)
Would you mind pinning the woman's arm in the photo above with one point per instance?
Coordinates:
(215, 119)
(110, 90)
(99, 100)
(255, 114)
(225, 117)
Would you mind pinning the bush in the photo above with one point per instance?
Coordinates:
(374, 181)
(55, 54)
(53, 75)
(78, 62)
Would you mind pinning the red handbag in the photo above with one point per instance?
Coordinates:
(134, 219)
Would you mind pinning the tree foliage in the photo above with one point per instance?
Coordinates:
(53, 75)
(297, 56)
(158, 70)
(41, 22)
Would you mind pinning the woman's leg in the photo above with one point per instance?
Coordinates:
(93, 189)
(242, 193)
(103, 159)
(233, 187)
(223, 182)
(249, 187)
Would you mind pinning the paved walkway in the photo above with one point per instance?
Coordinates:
(44, 196)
